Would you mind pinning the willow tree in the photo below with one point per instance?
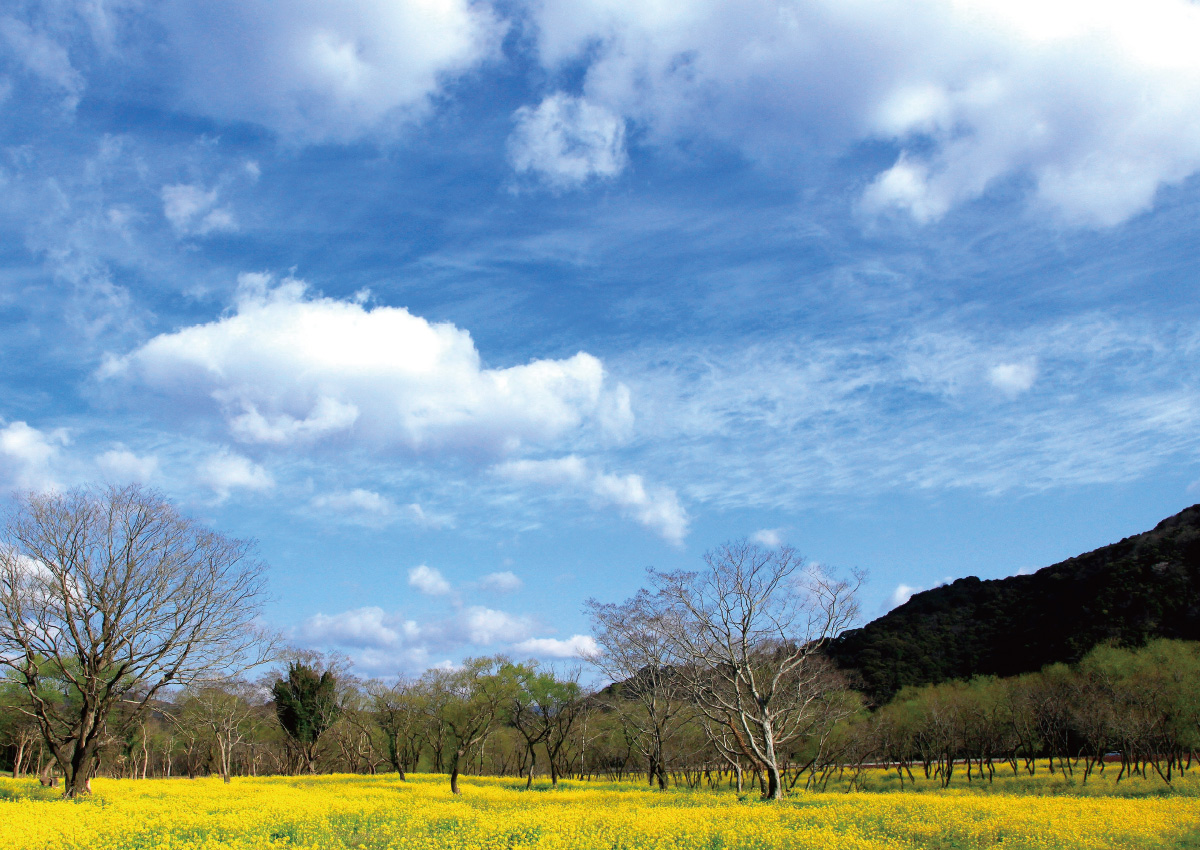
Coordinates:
(108, 595)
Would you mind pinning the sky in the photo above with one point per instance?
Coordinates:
(468, 312)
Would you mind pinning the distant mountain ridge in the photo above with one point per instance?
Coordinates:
(1143, 587)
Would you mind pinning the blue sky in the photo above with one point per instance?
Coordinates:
(468, 312)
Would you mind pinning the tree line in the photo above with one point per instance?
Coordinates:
(127, 634)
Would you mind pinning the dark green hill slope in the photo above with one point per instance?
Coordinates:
(1145, 586)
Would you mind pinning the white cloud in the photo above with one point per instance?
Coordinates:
(317, 71)
(193, 211)
(900, 595)
(656, 508)
(121, 465)
(385, 642)
(41, 55)
(918, 411)
(28, 456)
(1093, 104)
(770, 537)
(428, 580)
(576, 646)
(287, 368)
(375, 510)
(359, 506)
(483, 626)
(361, 627)
(422, 517)
(566, 141)
(501, 582)
(1013, 378)
(226, 472)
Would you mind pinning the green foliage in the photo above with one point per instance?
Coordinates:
(1144, 587)
(306, 703)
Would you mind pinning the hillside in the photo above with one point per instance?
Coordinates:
(1145, 586)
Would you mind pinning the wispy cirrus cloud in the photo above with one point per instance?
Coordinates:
(922, 412)
(655, 507)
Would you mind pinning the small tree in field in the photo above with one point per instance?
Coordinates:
(469, 702)
(107, 595)
(745, 633)
(223, 709)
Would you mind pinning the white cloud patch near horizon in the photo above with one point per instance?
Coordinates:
(1092, 104)
(656, 508)
(566, 141)
(576, 646)
(380, 641)
(900, 595)
(290, 368)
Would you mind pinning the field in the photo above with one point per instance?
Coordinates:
(382, 812)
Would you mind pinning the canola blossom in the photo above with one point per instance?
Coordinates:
(383, 813)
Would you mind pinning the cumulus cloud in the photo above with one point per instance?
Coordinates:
(770, 537)
(226, 472)
(383, 641)
(317, 71)
(565, 141)
(286, 367)
(361, 627)
(576, 646)
(482, 625)
(901, 594)
(119, 464)
(1013, 378)
(501, 582)
(428, 580)
(193, 211)
(28, 456)
(656, 508)
(1090, 104)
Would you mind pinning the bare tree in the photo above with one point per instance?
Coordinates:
(649, 692)
(108, 595)
(397, 711)
(746, 633)
(223, 709)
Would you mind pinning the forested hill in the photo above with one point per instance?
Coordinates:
(1146, 586)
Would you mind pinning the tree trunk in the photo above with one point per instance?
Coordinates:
(77, 772)
(774, 786)
(454, 761)
(18, 758)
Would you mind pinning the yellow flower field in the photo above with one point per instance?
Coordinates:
(382, 812)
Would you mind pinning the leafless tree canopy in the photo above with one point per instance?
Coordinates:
(106, 596)
(736, 642)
